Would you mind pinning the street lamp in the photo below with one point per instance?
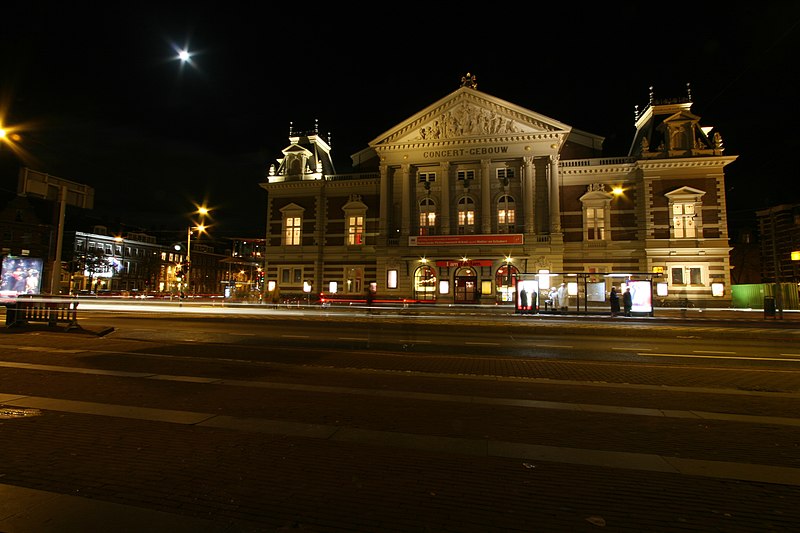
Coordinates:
(200, 229)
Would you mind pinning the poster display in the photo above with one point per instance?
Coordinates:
(527, 296)
(21, 275)
(642, 296)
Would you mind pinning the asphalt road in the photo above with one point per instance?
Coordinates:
(161, 429)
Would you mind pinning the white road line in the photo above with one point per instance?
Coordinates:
(551, 346)
(790, 354)
(695, 356)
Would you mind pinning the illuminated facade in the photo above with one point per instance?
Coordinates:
(456, 201)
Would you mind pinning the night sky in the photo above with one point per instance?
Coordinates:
(99, 98)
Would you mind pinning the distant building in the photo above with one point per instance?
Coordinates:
(779, 236)
(456, 202)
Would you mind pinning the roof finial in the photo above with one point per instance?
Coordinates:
(635, 113)
(689, 91)
(330, 143)
(290, 129)
(316, 126)
(469, 81)
(651, 95)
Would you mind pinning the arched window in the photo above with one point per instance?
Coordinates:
(425, 283)
(427, 217)
(466, 215)
(506, 215)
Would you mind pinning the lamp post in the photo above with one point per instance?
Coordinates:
(201, 228)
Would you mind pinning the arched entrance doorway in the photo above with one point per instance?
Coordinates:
(505, 281)
(466, 286)
(425, 283)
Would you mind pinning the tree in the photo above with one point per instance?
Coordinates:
(91, 263)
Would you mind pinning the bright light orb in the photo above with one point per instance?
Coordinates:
(184, 56)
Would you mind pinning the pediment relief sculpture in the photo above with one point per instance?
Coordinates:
(465, 120)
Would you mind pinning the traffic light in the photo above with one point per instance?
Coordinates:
(185, 266)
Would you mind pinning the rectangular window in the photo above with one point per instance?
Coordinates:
(683, 221)
(505, 173)
(677, 275)
(465, 175)
(292, 231)
(695, 275)
(297, 275)
(285, 276)
(430, 177)
(355, 230)
(391, 279)
(595, 223)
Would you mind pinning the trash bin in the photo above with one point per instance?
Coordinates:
(769, 307)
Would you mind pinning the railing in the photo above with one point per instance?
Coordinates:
(49, 309)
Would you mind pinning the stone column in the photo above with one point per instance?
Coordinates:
(529, 194)
(383, 221)
(486, 198)
(445, 207)
(405, 201)
(555, 196)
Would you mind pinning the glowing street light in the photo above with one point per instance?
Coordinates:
(200, 228)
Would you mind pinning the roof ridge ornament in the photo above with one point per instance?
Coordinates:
(469, 81)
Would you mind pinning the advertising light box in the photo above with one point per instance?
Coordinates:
(21, 275)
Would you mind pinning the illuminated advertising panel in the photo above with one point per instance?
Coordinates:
(21, 275)
(642, 296)
(527, 296)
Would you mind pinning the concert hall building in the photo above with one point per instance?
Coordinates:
(472, 194)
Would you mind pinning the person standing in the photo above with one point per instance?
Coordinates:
(523, 299)
(563, 298)
(614, 299)
(627, 301)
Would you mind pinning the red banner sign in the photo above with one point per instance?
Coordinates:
(466, 240)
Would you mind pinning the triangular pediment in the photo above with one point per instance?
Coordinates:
(682, 117)
(684, 194)
(467, 114)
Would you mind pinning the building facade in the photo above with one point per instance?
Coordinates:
(459, 201)
(779, 237)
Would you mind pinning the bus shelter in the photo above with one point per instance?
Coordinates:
(585, 293)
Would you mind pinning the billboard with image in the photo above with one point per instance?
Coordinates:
(20, 275)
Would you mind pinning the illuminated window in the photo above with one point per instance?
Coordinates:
(355, 230)
(292, 226)
(291, 231)
(425, 282)
(596, 212)
(595, 224)
(683, 221)
(428, 177)
(466, 216)
(391, 279)
(685, 209)
(427, 216)
(506, 215)
(355, 212)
